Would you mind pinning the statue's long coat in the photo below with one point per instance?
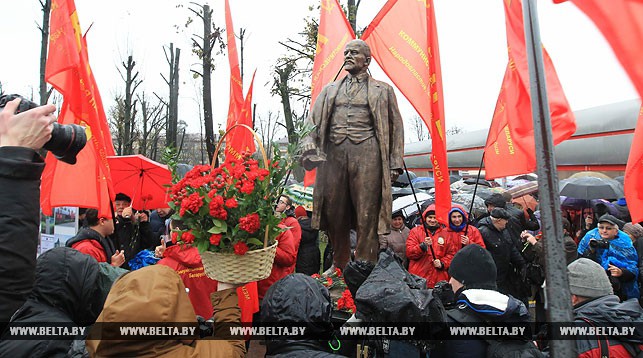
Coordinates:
(389, 130)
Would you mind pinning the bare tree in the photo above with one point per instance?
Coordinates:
(152, 124)
(267, 128)
(44, 43)
(173, 103)
(418, 129)
(211, 34)
(455, 129)
(117, 123)
(129, 105)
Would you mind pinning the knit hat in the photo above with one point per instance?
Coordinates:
(474, 267)
(497, 200)
(499, 213)
(635, 230)
(300, 211)
(588, 279)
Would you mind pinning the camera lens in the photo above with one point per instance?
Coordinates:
(66, 142)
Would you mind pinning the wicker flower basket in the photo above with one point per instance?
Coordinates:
(253, 266)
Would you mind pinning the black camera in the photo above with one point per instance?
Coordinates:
(599, 244)
(67, 140)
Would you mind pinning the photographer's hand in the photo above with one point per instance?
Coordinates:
(31, 129)
(615, 271)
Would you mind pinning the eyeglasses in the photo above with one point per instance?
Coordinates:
(282, 202)
(606, 228)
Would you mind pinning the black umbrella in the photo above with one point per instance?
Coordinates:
(454, 178)
(403, 180)
(620, 179)
(591, 188)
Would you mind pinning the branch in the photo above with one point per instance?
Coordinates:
(294, 49)
(196, 72)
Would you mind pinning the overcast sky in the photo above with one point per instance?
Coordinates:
(471, 34)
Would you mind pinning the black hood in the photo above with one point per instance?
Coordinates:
(66, 279)
(298, 298)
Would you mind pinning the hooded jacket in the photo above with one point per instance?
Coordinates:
(420, 257)
(157, 294)
(285, 261)
(470, 231)
(20, 170)
(475, 306)
(66, 292)
(606, 310)
(301, 299)
(91, 242)
(502, 249)
(186, 261)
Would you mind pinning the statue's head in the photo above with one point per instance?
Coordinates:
(357, 57)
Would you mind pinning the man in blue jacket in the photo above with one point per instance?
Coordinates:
(613, 250)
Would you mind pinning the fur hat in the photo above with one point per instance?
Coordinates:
(474, 267)
(123, 197)
(588, 279)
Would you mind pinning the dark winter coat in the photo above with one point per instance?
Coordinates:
(133, 238)
(302, 299)
(475, 307)
(504, 252)
(605, 310)
(308, 256)
(65, 292)
(20, 170)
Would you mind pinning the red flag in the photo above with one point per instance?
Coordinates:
(510, 147)
(239, 139)
(248, 301)
(404, 40)
(69, 72)
(634, 174)
(621, 22)
(333, 34)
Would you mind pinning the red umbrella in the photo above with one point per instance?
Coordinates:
(142, 179)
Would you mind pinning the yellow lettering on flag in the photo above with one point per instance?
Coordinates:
(327, 5)
(76, 25)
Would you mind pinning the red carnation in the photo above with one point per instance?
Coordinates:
(315, 275)
(240, 248)
(338, 272)
(215, 239)
(231, 203)
(187, 237)
(249, 223)
(175, 237)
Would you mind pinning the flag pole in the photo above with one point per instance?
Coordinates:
(558, 295)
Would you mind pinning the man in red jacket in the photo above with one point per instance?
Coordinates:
(285, 260)
(94, 241)
(419, 253)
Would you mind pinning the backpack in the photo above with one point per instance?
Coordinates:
(512, 349)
